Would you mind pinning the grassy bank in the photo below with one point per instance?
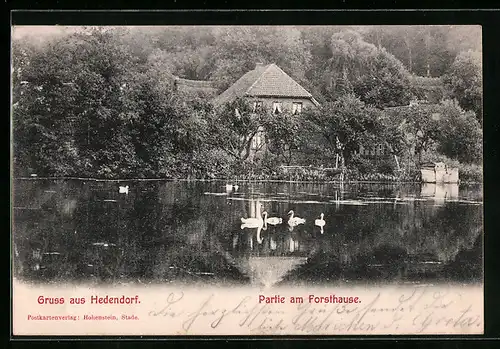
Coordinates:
(357, 170)
(473, 176)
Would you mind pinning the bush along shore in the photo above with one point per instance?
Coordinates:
(105, 103)
(469, 174)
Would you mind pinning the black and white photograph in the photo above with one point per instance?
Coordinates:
(247, 180)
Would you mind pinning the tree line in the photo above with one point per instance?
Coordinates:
(100, 102)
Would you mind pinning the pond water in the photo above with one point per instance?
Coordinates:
(191, 232)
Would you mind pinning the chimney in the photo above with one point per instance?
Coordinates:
(259, 65)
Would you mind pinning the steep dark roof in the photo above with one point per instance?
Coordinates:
(195, 86)
(264, 81)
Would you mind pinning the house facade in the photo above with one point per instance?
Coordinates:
(269, 88)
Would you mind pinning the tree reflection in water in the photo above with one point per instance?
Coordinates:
(66, 231)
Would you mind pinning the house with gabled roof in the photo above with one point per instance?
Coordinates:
(269, 87)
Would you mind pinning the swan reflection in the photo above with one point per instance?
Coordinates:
(258, 221)
(293, 221)
(258, 232)
(293, 244)
(272, 244)
(320, 222)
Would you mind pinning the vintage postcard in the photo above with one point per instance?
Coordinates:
(247, 180)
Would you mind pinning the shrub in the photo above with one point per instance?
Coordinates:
(361, 165)
(470, 173)
(385, 166)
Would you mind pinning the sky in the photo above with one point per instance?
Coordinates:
(39, 34)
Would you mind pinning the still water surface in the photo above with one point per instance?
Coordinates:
(191, 232)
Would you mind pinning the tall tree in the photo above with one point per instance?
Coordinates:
(233, 127)
(284, 135)
(74, 112)
(237, 49)
(346, 124)
(464, 81)
(460, 134)
(360, 67)
(414, 128)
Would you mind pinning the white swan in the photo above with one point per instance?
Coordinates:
(272, 220)
(293, 221)
(231, 187)
(253, 222)
(123, 190)
(320, 222)
(258, 223)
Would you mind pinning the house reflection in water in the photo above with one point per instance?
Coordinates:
(268, 253)
(280, 243)
(439, 192)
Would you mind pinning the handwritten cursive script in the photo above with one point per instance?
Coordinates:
(419, 310)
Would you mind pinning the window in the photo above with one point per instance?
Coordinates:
(380, 149)
(361, 150)
(276, 107)
(436, 116)
(257, 140)
(257, 106)
(296, 107)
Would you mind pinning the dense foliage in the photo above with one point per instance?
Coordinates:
(98, 102)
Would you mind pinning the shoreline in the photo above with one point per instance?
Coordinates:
(236, 180)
